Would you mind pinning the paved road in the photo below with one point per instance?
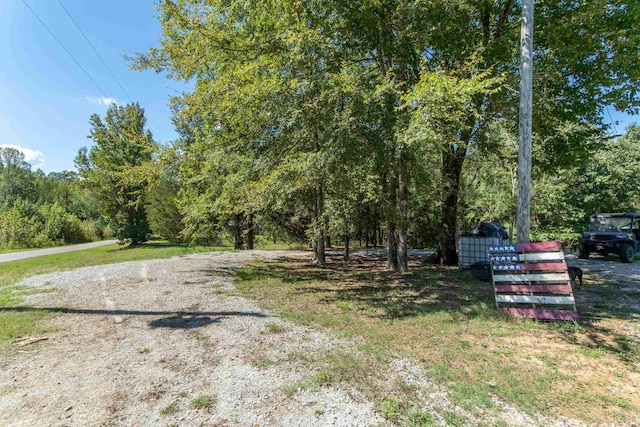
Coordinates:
(14, 256)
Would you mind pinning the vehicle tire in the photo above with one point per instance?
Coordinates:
(626, 252)
(583, 251)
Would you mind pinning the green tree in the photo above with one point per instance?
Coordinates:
(165, 219)
(16, 179)
(114, 169)
(609, 181)
(274, 78)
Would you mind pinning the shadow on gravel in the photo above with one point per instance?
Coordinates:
(174, 319)
(190, 322)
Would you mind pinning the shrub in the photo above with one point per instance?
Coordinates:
(25, 224)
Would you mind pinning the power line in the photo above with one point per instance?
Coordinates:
(65, 49)
(95, 51)
(100, 57)
(74, 59)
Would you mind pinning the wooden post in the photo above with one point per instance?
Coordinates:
(525, 126)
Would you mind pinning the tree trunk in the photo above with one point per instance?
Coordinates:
(346, 246)
(318, 227)
(392, 240)
(452, 161)
(392, 253)
(238, 242)
(320, 252)
(250, 232)
(403, 201)
(375, 231)
(327, 242)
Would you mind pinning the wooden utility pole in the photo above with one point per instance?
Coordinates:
(525, 127)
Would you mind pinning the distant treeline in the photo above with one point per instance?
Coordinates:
(38, 210)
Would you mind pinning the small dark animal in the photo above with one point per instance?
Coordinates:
(575, 273)
(481, 270)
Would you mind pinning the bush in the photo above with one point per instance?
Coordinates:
(91, 230)
(25, 224)
(567, 237)
(17, 228)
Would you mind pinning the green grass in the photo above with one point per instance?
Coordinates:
(14, 325)
(203, 402)
(4, 250)
(447, 321)
(401, 411)
(275, 328)
(169, 410)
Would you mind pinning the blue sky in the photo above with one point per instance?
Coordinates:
(45, 97)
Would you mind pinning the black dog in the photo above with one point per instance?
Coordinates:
(575, 273)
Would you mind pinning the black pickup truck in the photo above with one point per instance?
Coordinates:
(617, 233)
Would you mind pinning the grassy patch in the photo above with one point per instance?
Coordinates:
(14, 325)
(5, 250)
(203, 402)
(447, 321)
(109, 254)
(275, 328)
(401, 411)
(169, 410)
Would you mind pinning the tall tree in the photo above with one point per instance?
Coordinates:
(114, 169)
(16, 179)
(581, 56)
(165, 219)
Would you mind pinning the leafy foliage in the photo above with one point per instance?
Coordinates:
(165, 219)
(114, 169)
(354, 118)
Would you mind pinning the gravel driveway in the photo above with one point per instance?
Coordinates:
(610, 267)
(163, 343)
(167, 343)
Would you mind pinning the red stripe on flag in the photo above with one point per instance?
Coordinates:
(539, 247)
(542, 313)
(545, 266)
(547, 289)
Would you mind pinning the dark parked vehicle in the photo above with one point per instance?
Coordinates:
(490, 229)
(612, 233)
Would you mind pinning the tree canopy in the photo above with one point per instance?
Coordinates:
(304, 114)
(114, 169)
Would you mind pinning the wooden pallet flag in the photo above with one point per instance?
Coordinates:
(531, 280)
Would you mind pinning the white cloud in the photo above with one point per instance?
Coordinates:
(34, 157)
(101, 100)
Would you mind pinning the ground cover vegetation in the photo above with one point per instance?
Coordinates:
(447, 322)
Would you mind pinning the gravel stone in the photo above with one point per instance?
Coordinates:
(135, 343)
